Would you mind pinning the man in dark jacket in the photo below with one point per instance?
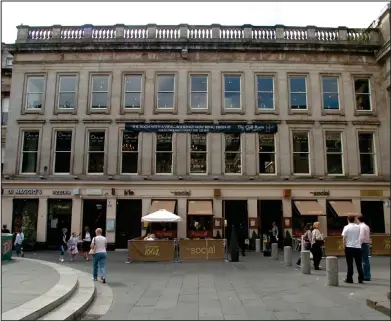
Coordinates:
(242, 236)
(5, 229)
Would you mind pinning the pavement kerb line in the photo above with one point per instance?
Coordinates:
(48, 301)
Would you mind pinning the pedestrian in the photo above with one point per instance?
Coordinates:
(98, 249)
(63, 243)
(351, 242)
(316, 245)
(274, 233)
(86, 245)
(365, 240)
(19, 243)
(72, 246)
(307, 239)
(242, 236)
(5, 229)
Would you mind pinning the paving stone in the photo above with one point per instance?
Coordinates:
(291, 315)
(235, 317)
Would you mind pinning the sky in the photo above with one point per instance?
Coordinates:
(322, 14)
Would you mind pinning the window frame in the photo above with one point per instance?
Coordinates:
(90, 93)
(242, 137)
(125, 110)
(96, 130)
(207, 154)
(5, 98)
(240, 110)
(371, 94)
(7, 59)
(55, 131)
(122, 132)
(208, 96)
(302, 130)
(57, 109)
(340, 108)
(174, 109)
(275, 155)
(265, 110)
(306, 78)
(41, 110)
(341, 135)
(374, 153)
(173, 136)
(21, 152)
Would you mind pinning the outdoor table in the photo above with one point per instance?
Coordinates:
(202, 249)
(151, 251)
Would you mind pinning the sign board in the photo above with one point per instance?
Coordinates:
(60, 192)
(201, 250)
(321, 193)
(25, 192)
(151, 251)
(181, 193)
(371, 193)
(333, 246)
(110, 225)
(381, 245)
(94, 192)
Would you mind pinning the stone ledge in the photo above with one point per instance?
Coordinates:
(381, 304)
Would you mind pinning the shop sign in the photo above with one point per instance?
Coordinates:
(61, 192)
(25, 192)
(128, 192)
(181, 193)
(94, 192)
(321, 193)
(151, 250)
(371, 193)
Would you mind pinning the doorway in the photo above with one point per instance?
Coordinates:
(270, 211)
(235, 213)
(373, 211)
(94, 215)
(128, 222)
(25, 217)
(59, 217)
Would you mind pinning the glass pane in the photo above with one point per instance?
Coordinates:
(198, 100)
(34, 101)
(5, 104)
(266, 143)
(298, 101)
(166, 83)
(97, 141)
(30, 141)
(232, 100)
(330, 84)
(132, 100)
(29, 162)
(301, 163)
(198, 162)
(133, 83)
(333, 143)
(99, 100)
(100, 83)
(334, 164)
(367, 164)
(232, 142)
(300, 142)
(199, 83)
(96, 162)
(267, 164)
(198, 142)
(35, 85)
(231, 83)
(67, 83)
(67, 100)
(265, 84)
(4, 118)
(165, 100)
(164, 163)
(130, 142)
(361, 86)
(129, 163)
(297, 84)
(330, 101)
(265, 101)
(363, 102)
(164, 142)
(365, 143)
(63, 163)
(64, 141)
(233, 163)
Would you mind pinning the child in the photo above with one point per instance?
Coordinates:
(72, 245)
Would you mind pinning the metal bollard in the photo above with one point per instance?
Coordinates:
(288, 255)
(305, 262)
(257, 245)
(274, 251)
(332, 270)
(226, 251)
(176, 251)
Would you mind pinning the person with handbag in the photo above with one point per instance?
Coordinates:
(63, 244)
(307, 239)
(316, 245)
(86, 245)
(98, 250)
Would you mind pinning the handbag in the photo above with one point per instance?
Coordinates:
(92, 251)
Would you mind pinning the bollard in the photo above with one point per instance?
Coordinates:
(257, 245)
(332, 270)
(305, 262)
(274, 251)
(288, 255)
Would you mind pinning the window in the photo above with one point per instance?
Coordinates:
(298, 92)
(129, 159)
(232, 88)
(100, 92)
(96, 153)
(363, 94)
(265, 92)
(301, 153)
(5, 103)
(67, 92)
(233, 154)
(2, 157)
(198, 153)
(267, 154)
(163, 153)
(132, 91)
(29, 152)
(198, 92)
(63, 152)
(34, 94)
(165, 91)
(334, 157)
(9, 61)
(330, 93)
(367, 153)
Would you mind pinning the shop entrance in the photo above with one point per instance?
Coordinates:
(128, 222)
(94, 215)
(59, 217)
(25, 216)
(270, 211)
(373, 211)
(235, 213)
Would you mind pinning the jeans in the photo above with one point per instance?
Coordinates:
(365, 261)
(18, 248)
(62, 249)
(99, 259)
(354, 253)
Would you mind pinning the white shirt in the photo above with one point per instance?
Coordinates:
(352, 234)
(19, 238)
(87, 237)
(316, 236)
(364, 233)
(100, 244)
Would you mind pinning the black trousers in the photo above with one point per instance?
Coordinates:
(317, 254)
(354, 254)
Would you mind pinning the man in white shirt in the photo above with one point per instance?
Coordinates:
(351, 241)
(365, 240)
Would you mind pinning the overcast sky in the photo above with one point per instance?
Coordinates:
(322, 14)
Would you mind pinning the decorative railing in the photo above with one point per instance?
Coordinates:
(263, 33)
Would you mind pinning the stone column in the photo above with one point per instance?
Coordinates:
(77, 215)
(7, 211)
(216, 31)
(274, 251)
(252, 207)
(119, 31)
(218, 212)
(311, 33)
(147, 154)
(305, 262)
(182, 206)
(23, 33)
(151, 29)
(111, 214)
(279, 32)
(247, 32)
(258, 245)
(287, 213)
(323, 219)
(343, 33)
(386, 217)
(288, 255)
(42, 220)
(56, 32)
(332, 270)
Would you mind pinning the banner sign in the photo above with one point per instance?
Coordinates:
(201, 250)
(151, 251)
(202, 128)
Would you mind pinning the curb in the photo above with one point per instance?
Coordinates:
(381, 304)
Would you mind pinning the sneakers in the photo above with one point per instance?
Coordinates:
(298, 265)
(103, 279)
(61, 260)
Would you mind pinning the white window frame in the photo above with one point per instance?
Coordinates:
(241, 154)
(55, 152)
(66, 92)
(130, 152)
(206, 154)
(294, 92)
(88, 151)
(99, 92)
(172, 153)
(275, 155)
(308, 153)
(236, 91)
(5, 106)
(373, 153)
(369, 93)
(165, 92)
(265, 92)
(42, 93)
(334, 153)
(199, 92)
(23, 152)
(132, 91)
(326, 92)
(7, 64)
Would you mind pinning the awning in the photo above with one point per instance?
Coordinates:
(308, 208)
(343, 208)
(200, 208)
(163, 205)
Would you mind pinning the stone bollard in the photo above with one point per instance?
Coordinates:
(274, 251)
(332, 270)
(257, 245)
(305, 262)
(288, 255)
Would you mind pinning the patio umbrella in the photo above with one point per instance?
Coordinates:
(161, 216)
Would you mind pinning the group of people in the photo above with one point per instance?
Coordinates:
(18, 241)
(313, 241)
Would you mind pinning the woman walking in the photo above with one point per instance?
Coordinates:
(86, 245)
(98, 249)
(316, 246)
(63, 244)
(307, 239)
(72, 242)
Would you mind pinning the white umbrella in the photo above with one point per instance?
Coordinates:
(161, 216)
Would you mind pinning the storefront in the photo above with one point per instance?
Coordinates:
(200, 219)
(59, 217)
(163, 230)
(25, 218)
(305, 212)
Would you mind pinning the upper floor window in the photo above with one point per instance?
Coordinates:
(63, 152)
(267, 154)
(330, 93)
(129, 158)
(29, 157)
(132, 91)
(164, 153)
(198, 153)
(100, 92)
(199, 92)
(366, 146)
(334, 156)
(301, 153)
(233, 153)
(96, 152)
(362, 91)
(165, 91)
(298, 92)
(9, 61)
(34, 93)
(67, 92)
(265, 92)
(5, 103)
(232, 92)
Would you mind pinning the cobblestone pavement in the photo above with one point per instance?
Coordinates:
(256, 288)
(23, 281)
